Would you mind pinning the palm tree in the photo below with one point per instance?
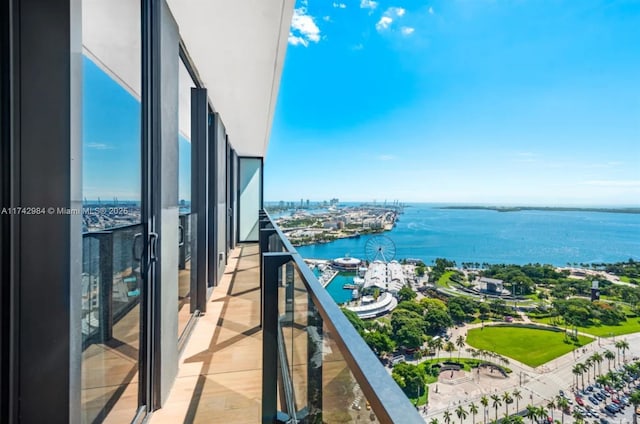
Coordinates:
(578, 416)
(531, 413)
(576, 370)
(473, 408)
(460, 344)
(434, 421)
(635, 401)
(597, 358)
(624, 345)
(587, 365)
(609, 356)
(461, 413)
(506, 397)
(582, 369)
(563, 404)
(602, 379)
(447, 417)
(485, 403)
(449, 347)
(618, 346)
(437, 345)
(542, 413)
(497, 402)
(551, 405)
(517, 396)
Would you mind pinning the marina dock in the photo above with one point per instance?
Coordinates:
(327, 276)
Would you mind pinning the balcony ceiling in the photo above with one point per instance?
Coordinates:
(238, 48)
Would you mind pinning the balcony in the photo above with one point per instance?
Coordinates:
(283, 353)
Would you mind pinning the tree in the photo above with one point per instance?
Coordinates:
(597, 358)
(460, 344)
(436, 321)
(576, 370)
(411, 378)
(497, 402)
(437, 345)
(449, 347)
(406, 293)
(447, 417)
(506, 397)
(635, 401)
(434, 421)
(379, 342)
(609, 356)
(578, 416)
(542, 413)
(461, 413)
(485, 403)
(355, 320)
(551, 405)
(407, 328)
(532, 412)
(563, 404)
(624, 345)
(517, 395)
(410, 336)
(587, 365)
(473, 408)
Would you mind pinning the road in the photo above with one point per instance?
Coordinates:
(537, 385)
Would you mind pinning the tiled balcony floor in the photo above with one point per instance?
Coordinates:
(219, 380)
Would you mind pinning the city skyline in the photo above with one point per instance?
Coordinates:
(529, 103)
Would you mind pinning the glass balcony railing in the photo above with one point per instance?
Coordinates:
(316, 367)
(110, 280)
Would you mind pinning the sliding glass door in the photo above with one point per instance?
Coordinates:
(112, 240)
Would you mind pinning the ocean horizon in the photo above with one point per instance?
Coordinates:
(425, 231)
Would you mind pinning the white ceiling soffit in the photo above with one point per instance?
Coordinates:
(238, 48)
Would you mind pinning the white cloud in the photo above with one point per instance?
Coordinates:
(397, 11)
(431, 11)
(368, 4)
(384, 23)
(407, 30)
(388, 16)
(359, 46)
(326, 18)
(339, 5)
(303, 28)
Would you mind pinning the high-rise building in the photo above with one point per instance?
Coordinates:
(174, 316)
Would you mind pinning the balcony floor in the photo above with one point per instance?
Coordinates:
(219, 379)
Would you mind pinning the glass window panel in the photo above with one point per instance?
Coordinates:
(187, 216)
(111, 283)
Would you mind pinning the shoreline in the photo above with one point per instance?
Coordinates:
(635, 210)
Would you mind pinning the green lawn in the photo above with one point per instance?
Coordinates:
(631, 325)
(528, 345)
(445, 279)
(423, 399)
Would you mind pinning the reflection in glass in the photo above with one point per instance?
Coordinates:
(111, 280)
(186, 236)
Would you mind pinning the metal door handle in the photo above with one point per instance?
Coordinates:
(153, 247)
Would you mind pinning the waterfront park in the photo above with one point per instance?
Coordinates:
(463, 357)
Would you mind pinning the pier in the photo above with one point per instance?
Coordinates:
(327, 276)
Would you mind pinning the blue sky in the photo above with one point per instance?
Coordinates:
(111, 140)
(512, 102)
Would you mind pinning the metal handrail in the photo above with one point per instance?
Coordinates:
(386, 398)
